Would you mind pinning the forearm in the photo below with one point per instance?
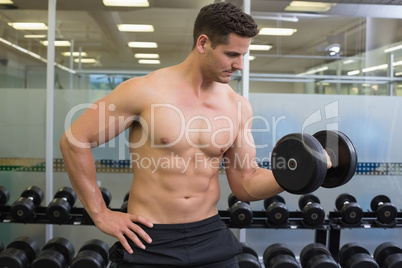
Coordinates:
(260, 184)
(81, 171)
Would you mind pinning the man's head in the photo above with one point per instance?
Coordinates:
(219, 20)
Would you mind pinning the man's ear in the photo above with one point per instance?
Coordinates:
(201, 43)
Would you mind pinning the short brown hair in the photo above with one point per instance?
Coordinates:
(219, 20)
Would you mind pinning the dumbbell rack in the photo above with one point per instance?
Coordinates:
(369, 221)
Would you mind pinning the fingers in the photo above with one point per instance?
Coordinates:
(133, 233)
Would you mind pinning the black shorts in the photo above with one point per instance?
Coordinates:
(207, 243)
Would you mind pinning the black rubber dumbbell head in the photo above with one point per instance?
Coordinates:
(4, 195)
(354, 255)
(276, 210)
(93, 254)
(57, 253)
(279, 255)
(388, 255)
(24, 207)
(313, 213)
(351, 212)
(107, 195)
(316, 255)
(385, 210)
(248, 258)
(59, 208)
(19, 253)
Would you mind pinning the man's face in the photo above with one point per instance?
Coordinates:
(225, 59)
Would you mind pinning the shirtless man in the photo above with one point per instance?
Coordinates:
(190, 118)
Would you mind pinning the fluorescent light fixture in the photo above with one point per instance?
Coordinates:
(398, 74)
(135, 28)
(6, 2)
(348, 62)
(393, 49)
(355, 72)
(146, 56)
(58, 43)
(28, 25)
(143, 44)
(260, 47)
(149, 61)
(35, 35)
(313, 71)
(126, 3)
(251, 58)
(87, 60)
(398, 63)
(277, 31)
(375, 68)
(75, 54)
(309, 6)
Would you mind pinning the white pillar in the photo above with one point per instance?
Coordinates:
(246, 62)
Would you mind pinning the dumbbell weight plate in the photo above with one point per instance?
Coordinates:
(351, 212)
(67, 193)
(393, 261)
(278, 255)
(275, 198)
(35, 192)
(107, 195)
(342, 154)
(317, 255)
(356, 255)
(342, 199)
(241, 215)
(299, 163)
(386, 213)
(248, 258)
(384, 250)
(4, 195)
(27, 245)
(307, 198)
(58, 210)
(93, 254)
(377, 200)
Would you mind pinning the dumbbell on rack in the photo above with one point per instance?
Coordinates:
(57, 253)
(279, 255)
(19, 253)
(316, 255)
(312, 211)
(4, 196)
(388, 255)
(277, 211)
(23, 208)
(386, 212)
(123, 207)
(107, 197)
(350, 210)
(59, 208)
(241, 214)
(353, 255)
(93, 254)
(248, 258)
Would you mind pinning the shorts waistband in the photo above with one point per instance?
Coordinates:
(189, 225)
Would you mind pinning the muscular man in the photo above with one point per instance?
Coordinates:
(189, 119)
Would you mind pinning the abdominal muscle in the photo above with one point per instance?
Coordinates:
(175, 195)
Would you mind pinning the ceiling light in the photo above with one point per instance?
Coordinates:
(28, 25)
(88, 60)
(35, 35)
(126, 3)
(135, 28)
(309, 6)
(146, 56)
(393, 49)
(348, 62)
(58, 43)
(143, 44)
(251, 58)
(333, 49)
(6, 2)
(354, 72)
(277, 31)
(375, 68)
(260, 47)
(75, 54)
(149, 61)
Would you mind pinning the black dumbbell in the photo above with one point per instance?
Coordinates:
(279, 255)
(4, 196)
(312, 211)
(57, 253)
(93, 254)
(241, 214)
(1, 246)
(107, 197)
(277, 211)
(353, 255)
(123, 207)
(299, 162)
(59, 208)
(386, 212)
(388, 255)
(19, 253)
(350, 210)
(24, 207)
(316, 255)
(248, 258)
